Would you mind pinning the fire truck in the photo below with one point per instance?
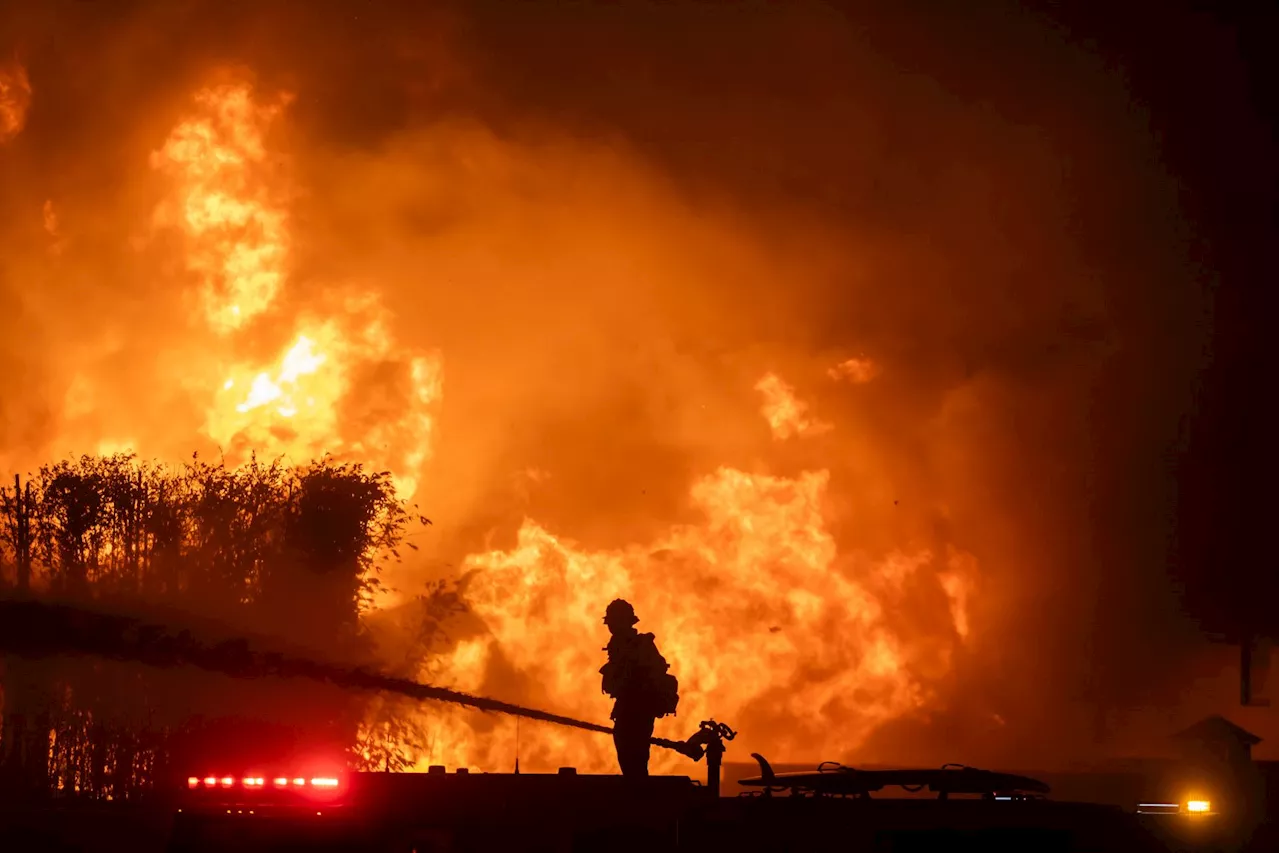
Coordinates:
(884, 809)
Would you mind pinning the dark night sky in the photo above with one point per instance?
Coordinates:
(1206, 72)
(1226, 475)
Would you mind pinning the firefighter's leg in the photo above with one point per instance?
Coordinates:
(622, 743)
(631, 737)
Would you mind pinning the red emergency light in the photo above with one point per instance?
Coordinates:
(254, 782)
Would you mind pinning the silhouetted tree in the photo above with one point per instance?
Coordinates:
(290, 552)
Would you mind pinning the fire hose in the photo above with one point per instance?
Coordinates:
(35, 629)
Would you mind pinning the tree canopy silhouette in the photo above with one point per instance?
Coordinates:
(293, 552)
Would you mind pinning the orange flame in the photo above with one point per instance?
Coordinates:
(855, 370)
(237, 231)
(15, 99)
(760, 618)
(784, 412)
(957, 583)
(309, 402)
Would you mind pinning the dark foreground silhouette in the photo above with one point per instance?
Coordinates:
(636, 677)
(400, 812)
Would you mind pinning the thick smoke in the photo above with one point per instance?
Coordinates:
(613, 221)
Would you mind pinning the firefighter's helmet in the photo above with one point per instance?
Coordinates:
(620, 612)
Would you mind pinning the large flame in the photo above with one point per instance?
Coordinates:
(341, 383)
(763, 619)
(758, 614)
(237, 230)
(309, 401)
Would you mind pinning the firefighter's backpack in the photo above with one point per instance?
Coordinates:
(666, 694)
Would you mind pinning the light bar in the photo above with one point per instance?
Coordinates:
(261, 782)
(1198, 806)
(1159, 808)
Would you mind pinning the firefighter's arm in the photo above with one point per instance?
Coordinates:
(608, 675)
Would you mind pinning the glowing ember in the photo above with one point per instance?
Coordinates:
(855, 370)
(15, 99)
(237, 233)
(786, 414)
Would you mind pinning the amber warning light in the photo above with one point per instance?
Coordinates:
(1195, 807)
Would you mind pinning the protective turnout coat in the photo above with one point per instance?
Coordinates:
(636, 677)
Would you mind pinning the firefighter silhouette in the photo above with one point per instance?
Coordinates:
(636, 677)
